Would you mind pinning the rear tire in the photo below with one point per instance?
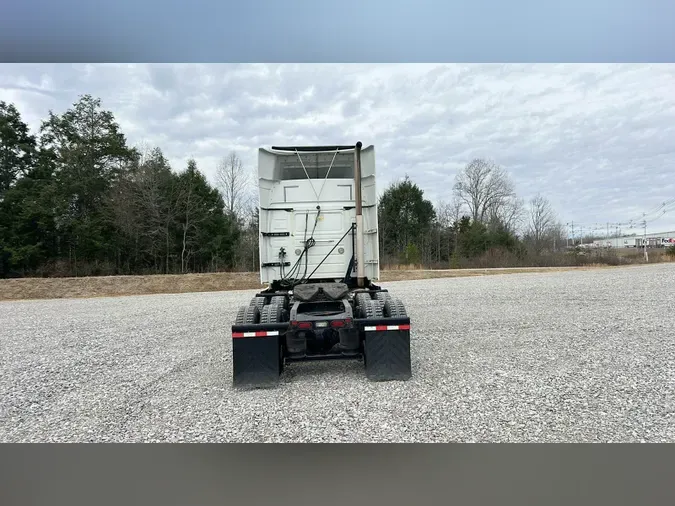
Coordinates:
(247, 315)
(382, 296)
(394, 308)
(280, 300)
(372, 309)
(259, 302)
(386, 353)
(362, 299)
(271, 314)
(257, 361)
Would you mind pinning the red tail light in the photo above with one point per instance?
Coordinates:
(340, 323)
(304, 325)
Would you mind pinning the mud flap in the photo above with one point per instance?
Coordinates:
(387, 349)
(256, 355)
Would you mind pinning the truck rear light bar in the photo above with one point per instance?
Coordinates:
(301, 325)
(340, 323)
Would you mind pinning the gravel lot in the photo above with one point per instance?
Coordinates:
(559, 357)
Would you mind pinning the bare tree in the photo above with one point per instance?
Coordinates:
(448, 214)
(484, 187)
(457, 209)
(510, 214)
(541, 221)
(145, 152)
(443, 211)
(556, 235)
(190, 202)
(247, 249)
(156, 200)
(122, 208)
(234, 183)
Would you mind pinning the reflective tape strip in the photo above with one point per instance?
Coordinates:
(261, 333)
(380, 328)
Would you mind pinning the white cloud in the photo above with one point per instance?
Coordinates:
(597, 140)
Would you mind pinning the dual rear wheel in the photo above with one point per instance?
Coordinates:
(381, 305)
(386, 353)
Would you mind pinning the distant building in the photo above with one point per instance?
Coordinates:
(655, 240)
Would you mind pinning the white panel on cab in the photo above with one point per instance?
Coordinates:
(288, 202)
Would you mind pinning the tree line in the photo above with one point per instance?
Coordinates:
(77, 200)
(482, 223)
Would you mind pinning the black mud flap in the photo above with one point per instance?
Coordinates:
(257, 358)
(386, 348)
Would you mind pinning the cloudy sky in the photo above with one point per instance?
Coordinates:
(597, 140)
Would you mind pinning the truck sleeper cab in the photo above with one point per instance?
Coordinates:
(319, 256)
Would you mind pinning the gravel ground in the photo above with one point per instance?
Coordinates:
(558, 357)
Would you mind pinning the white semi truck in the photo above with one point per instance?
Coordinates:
(319, 256)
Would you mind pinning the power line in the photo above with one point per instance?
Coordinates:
(654, 214)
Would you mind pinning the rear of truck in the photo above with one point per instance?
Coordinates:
(319, 256)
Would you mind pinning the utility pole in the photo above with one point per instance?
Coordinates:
(645, 237)
(568, 234)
